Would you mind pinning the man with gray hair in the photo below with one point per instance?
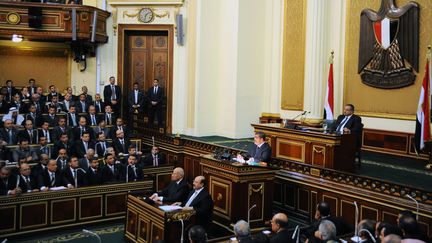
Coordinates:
(242, 231)
(327, 231)
(177, 190)
(391, 239)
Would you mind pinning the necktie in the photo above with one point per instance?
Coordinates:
(113, 93)
(136, 96)
(155, 90)
(85, 146)
(191, 199)
(75, 178)
(27, 181)
(155, 160)
(103, 146)
(10, 136)
(112, 169)
(98, 105)
(83, 106)
(342, 124)
(73, 120)
(31, 135)
(109, 119)
(63, 163)
(93, 120)
(47, 136)
(52, 179)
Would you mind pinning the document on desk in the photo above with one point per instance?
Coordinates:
(169, 208)
(58, 188)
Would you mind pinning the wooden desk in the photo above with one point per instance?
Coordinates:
(147, 223)
(320, 149)
(235, 188)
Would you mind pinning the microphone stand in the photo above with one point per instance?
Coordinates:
(93, 234)
(296, 234)
(356, 238)
(301, 114)
(417, 205)
(248, 216)
(182, 231)
(369, 233)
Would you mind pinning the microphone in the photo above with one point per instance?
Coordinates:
(93, 234)
(417, 206)
(296, 233)
(182, 231)
(253, 206)
(369, 233)
(356, 238)
(301, 114)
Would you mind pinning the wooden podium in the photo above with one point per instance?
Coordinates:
(332, 151)
(236, 188)
(148, 223)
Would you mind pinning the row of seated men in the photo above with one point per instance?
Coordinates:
(72, 172)
(327, 228)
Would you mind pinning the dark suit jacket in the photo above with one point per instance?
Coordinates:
(99, 148)
(52, 121)
(62, 165)
(131, 175)
(5, 136)
(131, 100)
(94, 178)
(36, 119)
(23, 107)
(108, 93)
(115, 128)
(37, 170)
(262, 154)
(50, 132)
(63, 106)
(50, 95)
(69, 120)
(59, 145)
(44, 150)
(80, 150)
(45, 180)
(33, 184)
(89, 122)
(24, 134)
(76, 132)
(11, 184)
(354, 124)
(108, 176)
(118, 148)
(203, 205)
(175, 193)
(84, 163)
(79, 108)
(148, 160)
(4, 107)
(283, 236)
(158, 97)
(102, 106)
(81, 178)
(113, 118)
(57, 132)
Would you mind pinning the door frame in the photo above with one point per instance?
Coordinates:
(122, 28)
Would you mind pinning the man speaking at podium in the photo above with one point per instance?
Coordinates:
(260, 150)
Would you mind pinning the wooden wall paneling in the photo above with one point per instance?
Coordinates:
(290, 199)
(291, 149)
(63, 210)
(389, 217)
(115, 204)
(319, 154)
(8, 212)
(132, 223)
(347, 211)
(313, 204)
(143, 229)
(303, 200)
(36, 215)
(368, 212)
(90, 207)
(333, 202)
(157, 232)
(256, 197)
(278, 193)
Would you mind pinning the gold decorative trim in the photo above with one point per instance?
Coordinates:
(280, 141)
(81, 206)
(261, 190)
(63, 221)
(14, 219)
(127, 233)
(315, 172)
(228, 186)
(106, 203)
(142, 219)
(315, 149)
(13, 18)
(164, 13)
(34, 225)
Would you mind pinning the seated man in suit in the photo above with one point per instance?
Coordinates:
(92, 116)
(83, 145)
(101, 145)
(154, 158)
(133, 172)
(52, 177)
(62, 160)
(41, 166)
(23, 154)
(133, 151)
(200, 200)
(8, 182)
(260, 150)
(60, 129)
(27, 183)
(51, 117)
(120, 143)
(348, 122)
(73, 175)
(85, 162)
(176, 191)
(111, 171)
(279, 226)
(28, 133)
(94, 174)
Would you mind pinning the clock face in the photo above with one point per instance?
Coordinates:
(146, 15)
(13, 18)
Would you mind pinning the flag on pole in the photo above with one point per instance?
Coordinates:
(422, 131)
(329, 98)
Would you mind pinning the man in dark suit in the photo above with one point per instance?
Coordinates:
(154, 158)
(52, 177)
(348, 122)
(82, 105)
(109, 117)
(35, 117)
(62, 160)
(200, 200)
(29, 133)
(111, 171)
(112, 95)
(85, 162)
(98, 104)
(136, 99)
(60, 129)
(72, 117)
(67, 103)
(63, 143)
(8, 133)
(101, 128)
(88, 97)
(94, 174)
(176, 191)
(260, 150)
(20, 106)
(40, 167)
(155, 95)
(27, 182)
(45, 132)
(42, 99)
(44, 148)
(31, 86)
(133, 172)
(83, 145)
(120, 143)
(51, 117)
(11, 90)
(54, 103)
(92, 116)
(119, 126)
(74, 176)
(4, 106)
(8, 182)
(53, 92)
(81, 129)
(279, 226)
(101, 145)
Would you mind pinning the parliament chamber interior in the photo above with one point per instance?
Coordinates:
(215, 121)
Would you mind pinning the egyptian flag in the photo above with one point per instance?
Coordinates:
(385, 31)
(329, 99)
(422, 132)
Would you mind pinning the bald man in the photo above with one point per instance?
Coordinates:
(392, 239)
(200, 200)
(176, 191)
(279, 226)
